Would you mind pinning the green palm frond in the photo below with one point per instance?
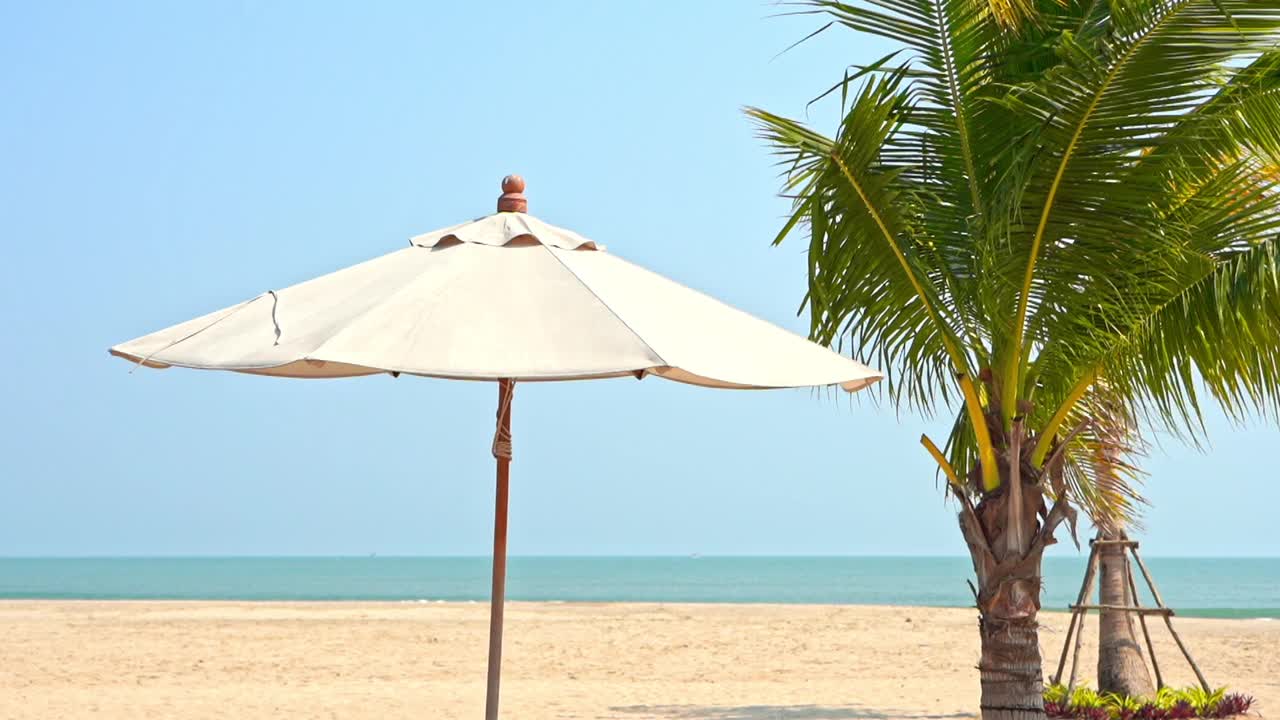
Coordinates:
(1074, 200)
(1099, 467)
(1117, 92)
(870, 264)
(1220, 335)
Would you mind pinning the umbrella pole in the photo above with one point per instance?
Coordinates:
(497, 598)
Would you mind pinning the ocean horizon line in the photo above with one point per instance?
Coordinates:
(571, 556)
(1234, 586)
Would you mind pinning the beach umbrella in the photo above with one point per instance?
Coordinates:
(505, 298)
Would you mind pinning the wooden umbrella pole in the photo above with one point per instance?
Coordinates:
(497, 598)
(512, 200)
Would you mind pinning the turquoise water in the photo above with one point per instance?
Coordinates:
(1226, 587)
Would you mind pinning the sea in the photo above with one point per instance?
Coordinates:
(1204, 587)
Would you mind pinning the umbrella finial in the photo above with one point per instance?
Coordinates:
(512, 199)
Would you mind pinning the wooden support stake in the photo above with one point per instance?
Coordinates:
(1142, 620)
(1187, 654)
(1085, 592)
(1066, 643)
(1126, 608)
(1085, 587)
(1155, 593)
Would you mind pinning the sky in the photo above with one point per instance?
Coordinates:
(162, 160)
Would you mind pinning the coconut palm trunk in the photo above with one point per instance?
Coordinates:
(1121, 667)
(1008, 601)
(1007, 533)
(1010, 674)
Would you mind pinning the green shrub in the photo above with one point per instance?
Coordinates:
(1084, 703)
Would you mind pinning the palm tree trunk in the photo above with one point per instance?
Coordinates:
(1012, 684)
(1007, 533)
(1121, 668)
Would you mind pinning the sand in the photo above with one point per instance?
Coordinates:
(626, 661)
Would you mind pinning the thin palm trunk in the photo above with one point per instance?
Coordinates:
(1121, 668)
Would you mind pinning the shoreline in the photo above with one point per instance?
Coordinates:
(1180, 613)
(630, 661)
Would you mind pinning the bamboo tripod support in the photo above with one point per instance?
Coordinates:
(1081, 608)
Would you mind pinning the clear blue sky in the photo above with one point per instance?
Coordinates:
(158, 161)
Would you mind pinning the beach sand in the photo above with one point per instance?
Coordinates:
(626, 661)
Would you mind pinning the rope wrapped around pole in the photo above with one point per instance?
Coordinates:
(502, 431)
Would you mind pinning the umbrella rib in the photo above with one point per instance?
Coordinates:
(605, 304)
(319, 349)
(187, 337)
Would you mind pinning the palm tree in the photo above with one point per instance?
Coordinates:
(1039, 215)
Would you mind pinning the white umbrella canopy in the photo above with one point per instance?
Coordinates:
(504, 298)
